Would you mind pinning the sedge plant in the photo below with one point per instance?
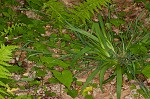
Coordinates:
(124, 57)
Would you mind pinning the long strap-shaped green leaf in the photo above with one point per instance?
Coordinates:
(90, 77)
(119, 81)
(109, 45)
(102, 25)
(99, 34)
(102, 73)
(83, 32)
(92, 37)
(83, 51)
(105, 67)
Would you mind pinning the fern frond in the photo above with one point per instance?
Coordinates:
(83, 12)
(86, 9)
(5, 56)
(55, 10)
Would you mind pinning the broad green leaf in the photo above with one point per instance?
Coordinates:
(146, 70)
(34, 83)
(6, 14)
(51, 93)
(79, 83)
(89, 97)
(27, 79)
(40, 73)
(117, 22)
(65, 77)
(67, 37)
(138, 49)
(90, 77)
(40, 47)
(148, 6)
(73, 93)
(119, 81)
(15, 69)
(53, 80)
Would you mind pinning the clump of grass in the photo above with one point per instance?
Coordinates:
(125, 57)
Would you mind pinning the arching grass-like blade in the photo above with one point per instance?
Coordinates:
(90, 77)
(105, 67)
(83, 51)
(119, 81)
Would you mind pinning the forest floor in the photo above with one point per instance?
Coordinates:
(132, 10)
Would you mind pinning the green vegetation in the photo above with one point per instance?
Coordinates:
(127, 56)
(5, 75)
(68, 54)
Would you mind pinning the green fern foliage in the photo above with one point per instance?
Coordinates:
(56, 11)
(5, 56)
(86, 9)
(59, 13)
